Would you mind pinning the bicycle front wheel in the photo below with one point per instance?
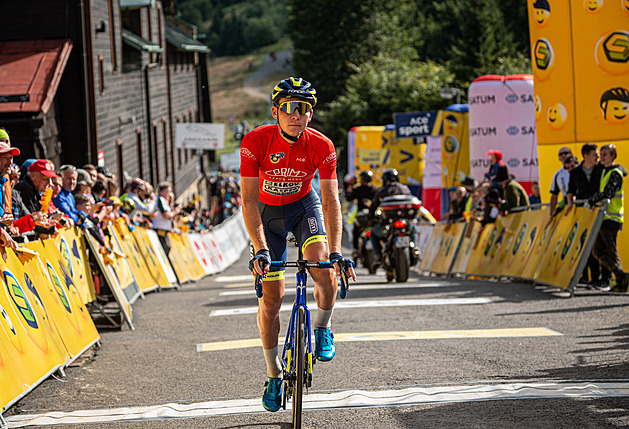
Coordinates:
(300, 364)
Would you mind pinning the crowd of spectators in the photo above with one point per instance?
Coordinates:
(38, 200)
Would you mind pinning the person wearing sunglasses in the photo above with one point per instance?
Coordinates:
(278, 163)
(561, 179)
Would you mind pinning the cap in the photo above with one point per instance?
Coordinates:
(469, 181)
(5, 148)
(104, 170)
(83, 177)
(43, 166)
(493, 196)
(28, 162)
(495, 152)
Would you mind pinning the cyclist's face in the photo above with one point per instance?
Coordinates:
(292, 123)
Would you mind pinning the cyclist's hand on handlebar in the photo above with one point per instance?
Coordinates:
(338, 260)
(260, 262)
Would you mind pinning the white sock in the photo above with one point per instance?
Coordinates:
(273, 364)
(323, 318)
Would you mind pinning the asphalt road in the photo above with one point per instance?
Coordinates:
(438, 353)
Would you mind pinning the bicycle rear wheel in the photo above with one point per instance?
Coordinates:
(300, 363)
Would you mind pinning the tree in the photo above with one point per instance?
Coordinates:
(382, 86)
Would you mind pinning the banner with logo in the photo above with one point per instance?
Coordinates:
(406, 156)
(122, 267)
(370, 151)
(417, 124)
(502, 117)
(50, 282)
(74, 252)
(161, 257)
(148, 251)
(580, 57)
(206, 259)
(455, 149)
(431, 185)
(144, 277)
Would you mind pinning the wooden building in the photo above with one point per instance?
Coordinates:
(89, 80)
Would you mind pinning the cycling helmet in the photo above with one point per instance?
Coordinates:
(138, 184)
(390, 175)
(366, 176)
(294, 87)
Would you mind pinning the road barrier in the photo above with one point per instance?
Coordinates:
(48, 297)
(526, 245)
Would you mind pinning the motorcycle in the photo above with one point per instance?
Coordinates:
(400, 252)
(364, 251)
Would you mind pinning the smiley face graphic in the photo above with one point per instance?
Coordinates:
(557, 115)
(538, 107)
(625, 5)
(592, 6)
(615, 105)
(542, 12)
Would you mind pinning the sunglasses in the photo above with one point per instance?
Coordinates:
(290, 107)
(564, 153)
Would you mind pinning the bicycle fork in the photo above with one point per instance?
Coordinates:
(289, 343)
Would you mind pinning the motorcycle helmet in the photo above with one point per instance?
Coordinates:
(389, 176)
(294, 87)
(366, 176)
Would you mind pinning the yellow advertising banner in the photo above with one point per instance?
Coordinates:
(406, 156)
(150, 257)
(74, 252)
(470, 239)
(59, 296)
(11, 380)
(432, 250)
(370, 151)
(120, 263)
(30, 339)
(455, 148)
(452, 235)
(551, 52)
(177, 259)
(127, 243)
(192, 261)
(580, 56)
(525, 227)
(558, 265)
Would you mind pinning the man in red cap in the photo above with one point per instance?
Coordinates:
(34, 183)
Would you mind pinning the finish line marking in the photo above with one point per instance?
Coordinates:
(393, 336)
(335, 400)
(364, 304)
(382, 287)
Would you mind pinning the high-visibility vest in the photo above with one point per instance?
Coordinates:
(468, 204)
(616, 209)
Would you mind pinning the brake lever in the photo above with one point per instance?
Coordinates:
(258, 281)
(344, 281)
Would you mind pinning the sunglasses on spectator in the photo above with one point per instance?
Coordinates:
(290, 107)
(564, 153)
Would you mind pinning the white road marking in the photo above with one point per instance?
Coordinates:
(335, 400)
(239, 278)
(353, 287)
(364, 304)
(393, 336)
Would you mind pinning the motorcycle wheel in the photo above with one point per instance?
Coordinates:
(402, 264)
(369, 261)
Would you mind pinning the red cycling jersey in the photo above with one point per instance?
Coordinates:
(286, 170)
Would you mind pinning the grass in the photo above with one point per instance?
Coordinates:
(228, 98)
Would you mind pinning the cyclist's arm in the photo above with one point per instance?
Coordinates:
(332, 213)
(251, 213)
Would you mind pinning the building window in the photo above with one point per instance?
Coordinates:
(150, 28)
(119, 162)
(159, 33)
(131, 57)
(138, 143)
(112, 37)
(101, 74)
(179, 154)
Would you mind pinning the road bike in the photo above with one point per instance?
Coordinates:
(297, 358)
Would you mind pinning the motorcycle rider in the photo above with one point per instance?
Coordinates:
(364, 194)
(391, 186)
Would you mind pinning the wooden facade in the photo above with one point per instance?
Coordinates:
(125, 85)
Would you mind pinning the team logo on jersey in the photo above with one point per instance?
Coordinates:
(281, 188)
(247, 153)
(275, 158)
(312, 224)
(330, 158)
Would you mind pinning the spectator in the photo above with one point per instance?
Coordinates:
(459, 203)
(535, 196)
(514, 193)
(492, 206)
(34, 183)
(65, 200)
(495, 157)
(84, 184)
(91, 169)
(584, 182)
(470, 184)
(605, 245)
(561, 179)
(6, 161)
(163, 223)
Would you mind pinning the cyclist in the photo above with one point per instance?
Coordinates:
(391, 186)
(363, 194)
(278, 163)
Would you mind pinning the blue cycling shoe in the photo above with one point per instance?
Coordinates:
(272, 398)
(324, 344)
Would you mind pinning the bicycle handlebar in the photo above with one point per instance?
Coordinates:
(305, 264)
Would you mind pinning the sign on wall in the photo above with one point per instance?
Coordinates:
(416, 124)
(203, 136)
